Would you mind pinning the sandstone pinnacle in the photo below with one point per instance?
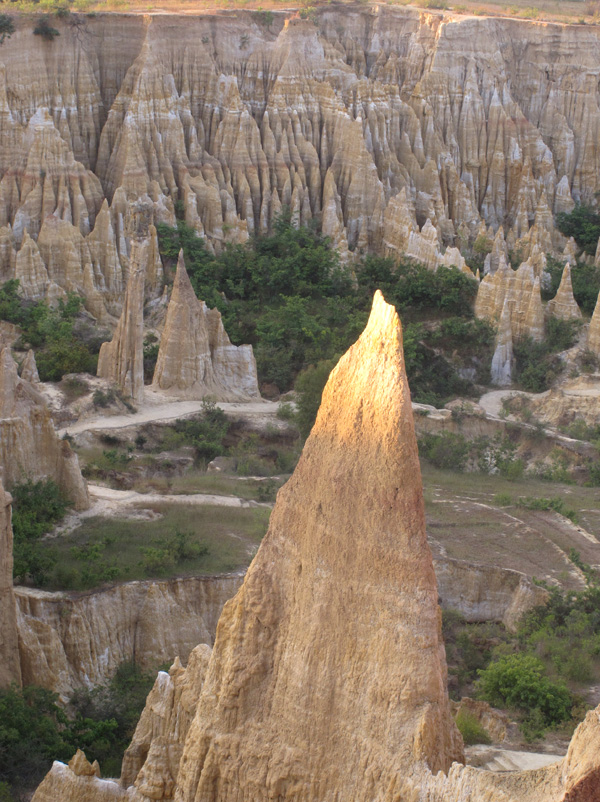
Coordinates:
(196, 357)
(122, 359)
(593, 341)
(564, 305)
(29, 445)
(314, 658)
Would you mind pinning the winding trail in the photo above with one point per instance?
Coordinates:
(158, 407)
(107, 502)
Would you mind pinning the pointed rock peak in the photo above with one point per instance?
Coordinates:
(29, 371)
(344, 577)
(593, 342)
(82, 767)
(9, 379)
(182, 280)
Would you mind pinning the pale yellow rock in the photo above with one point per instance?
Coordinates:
(151, 761)
(81, 766)
(10, 667)
(593, 338)
(570, 251)
(296, 627)
(498, 255)
(564, 305)
(122, 359)
(502, 360)
(196, 357)
(30, 270)
(71, 640)
(29, 371)
(29, 445)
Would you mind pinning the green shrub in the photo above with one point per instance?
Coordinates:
(7, 27)
(445, 450)
(101, 398)
(471, 730)
(206, 433)
(519, 682)
(45, 30)
(37, 508)
(583, 224)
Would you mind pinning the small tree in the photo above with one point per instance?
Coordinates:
(45, 30)
(7, 27)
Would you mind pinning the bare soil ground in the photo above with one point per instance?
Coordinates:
(466, 522)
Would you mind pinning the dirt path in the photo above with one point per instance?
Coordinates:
(161, 408)
(110, 503)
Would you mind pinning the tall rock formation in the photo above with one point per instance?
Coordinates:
(593, 339)
(29, 445)
(520, 290)
(502, 361)
(196, 357)
(564, 305)
(327, 678)
(122, 359)
(10, 667)
(314, 660)
(343, 121)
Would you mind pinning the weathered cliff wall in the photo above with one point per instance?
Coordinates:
(74, 640)
(10, 668)
(29, 445)
(374, 120)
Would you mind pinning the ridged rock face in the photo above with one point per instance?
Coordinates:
(327, 678)
(122, 359)
(374, 120)
(29, 445)
(593, 341)
(520, 292)
(10, 669)
(151, 762)
(314, 660)
(564, 305)
(502, 360)
(71, 640)
(196, 357)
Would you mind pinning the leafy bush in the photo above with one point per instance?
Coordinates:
(445, 450)
(584, 278)
(519, 682)
(63, 343)
(7, 27)
(45, 30)
(556, 504)
(583, 224)
(207, 433)
(37, 508)
(471, 730)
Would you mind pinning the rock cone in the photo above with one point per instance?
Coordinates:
(122, 359)
(564, 305)
(314, 660)
(593, 341)
(196, 357)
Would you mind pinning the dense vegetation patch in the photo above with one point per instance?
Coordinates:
(37, 508)
(584, 278)
(538, 364)
(64, 340)
(537, 672)
(34, 729)
(288, 295)
(583, 224)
